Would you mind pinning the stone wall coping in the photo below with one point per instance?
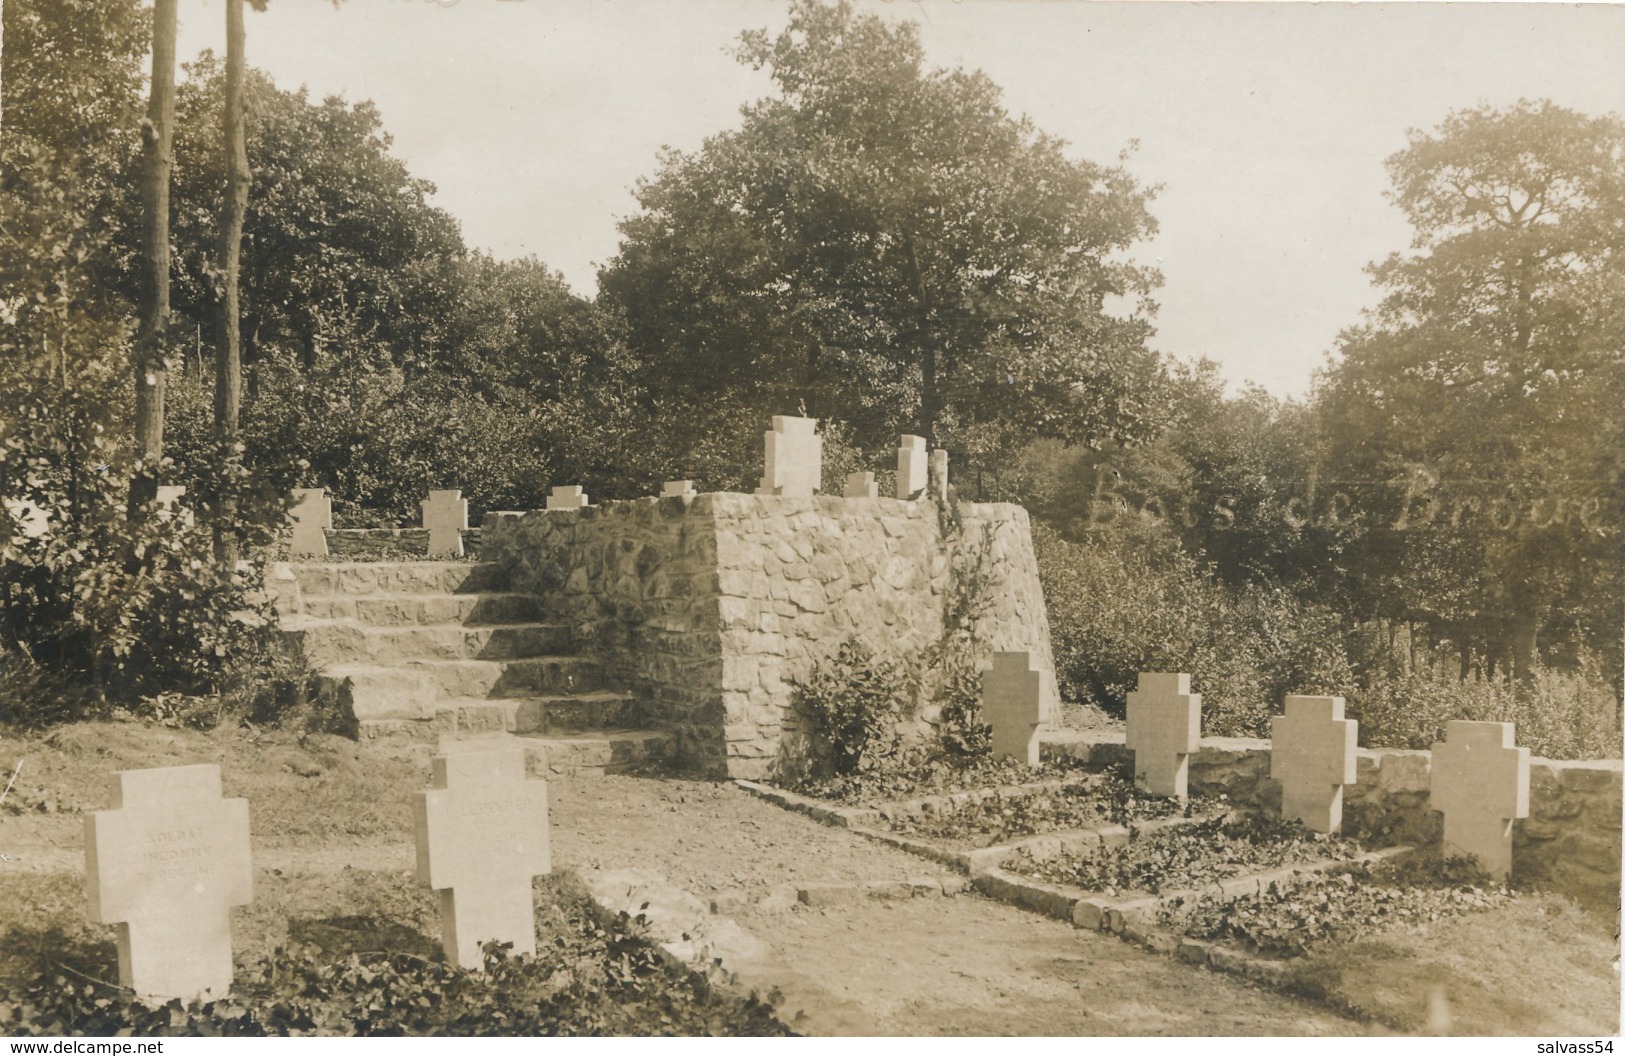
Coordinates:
(1262, 744)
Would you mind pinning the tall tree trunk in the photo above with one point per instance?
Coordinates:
(229, 364)
(1523, 631)
(151, 371)
(228, 381)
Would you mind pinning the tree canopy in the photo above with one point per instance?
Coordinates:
(1480, 408)
(883, 244)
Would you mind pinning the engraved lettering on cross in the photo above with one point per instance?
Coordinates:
(165, 864)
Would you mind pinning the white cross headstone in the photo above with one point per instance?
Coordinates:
(1480, 782)
(937, 474)
(1312, 756)
(860, 486)
(481, 836)
(567, 498)
(794, 458)
(165, 863)
(1012, 696)
(312, 516)
(1164, 727)
(680, 489)
(911, 466)
(445, 514)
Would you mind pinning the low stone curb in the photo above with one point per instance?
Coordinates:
(836, 893)
(818, 810)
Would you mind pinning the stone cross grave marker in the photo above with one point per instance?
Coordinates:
(567, 498)
(937, 474)
(682, 489)
(794, 458)
(911, 466)
(481, 836)
(165, 863)
(861, 486)
(1164, 726)
(1312, 756)
(1480, 782)
(312, 516)
(445, 514)
(1012, 696)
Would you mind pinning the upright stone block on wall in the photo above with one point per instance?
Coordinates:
(1312, 755)
(794, 458)
(912, 466)
(1164, 726)
(938, 475)
(860, 486)
(677, 489)
(312, 516)
(1012, 695)
(445, 515)
(1481, 785)
(571, 497)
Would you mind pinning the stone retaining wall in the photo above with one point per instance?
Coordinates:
(708, 607)
(1570, 842)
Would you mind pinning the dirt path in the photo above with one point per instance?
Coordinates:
(963, 965)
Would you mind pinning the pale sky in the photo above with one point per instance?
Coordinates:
(1267, 124)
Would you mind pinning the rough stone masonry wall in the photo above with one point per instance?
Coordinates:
(707, 608)
(1570, 842)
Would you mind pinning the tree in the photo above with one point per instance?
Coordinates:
(151, 365)
(884, 244)
(1483, 398)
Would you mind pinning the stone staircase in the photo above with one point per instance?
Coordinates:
(441, 650)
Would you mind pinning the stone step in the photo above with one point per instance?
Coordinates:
(397, 577)
(547, 715)
(585, 754)
(404, 610)
(347, 641)
(412, 690)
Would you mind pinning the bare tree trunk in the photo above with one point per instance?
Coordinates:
(228, 382)
(151, 370)
(229, 363)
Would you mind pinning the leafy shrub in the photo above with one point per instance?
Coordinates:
(852, 704)
(1559, 715)
(1131, 600)
(124, 605)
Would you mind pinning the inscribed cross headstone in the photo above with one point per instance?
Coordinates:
(1164, 726)
(683, 489)
(481, 836)
(1312, 756)
(567, 498)
(1012, 693)
(312, 516)
(445, 514)
(937, 474)
(911, 466)
(165, 863)
(793, 458)
(861, 486)
(1480, 782)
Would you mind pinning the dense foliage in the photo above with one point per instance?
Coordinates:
(1288, 919)
(1188, 855)
(592, 977)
